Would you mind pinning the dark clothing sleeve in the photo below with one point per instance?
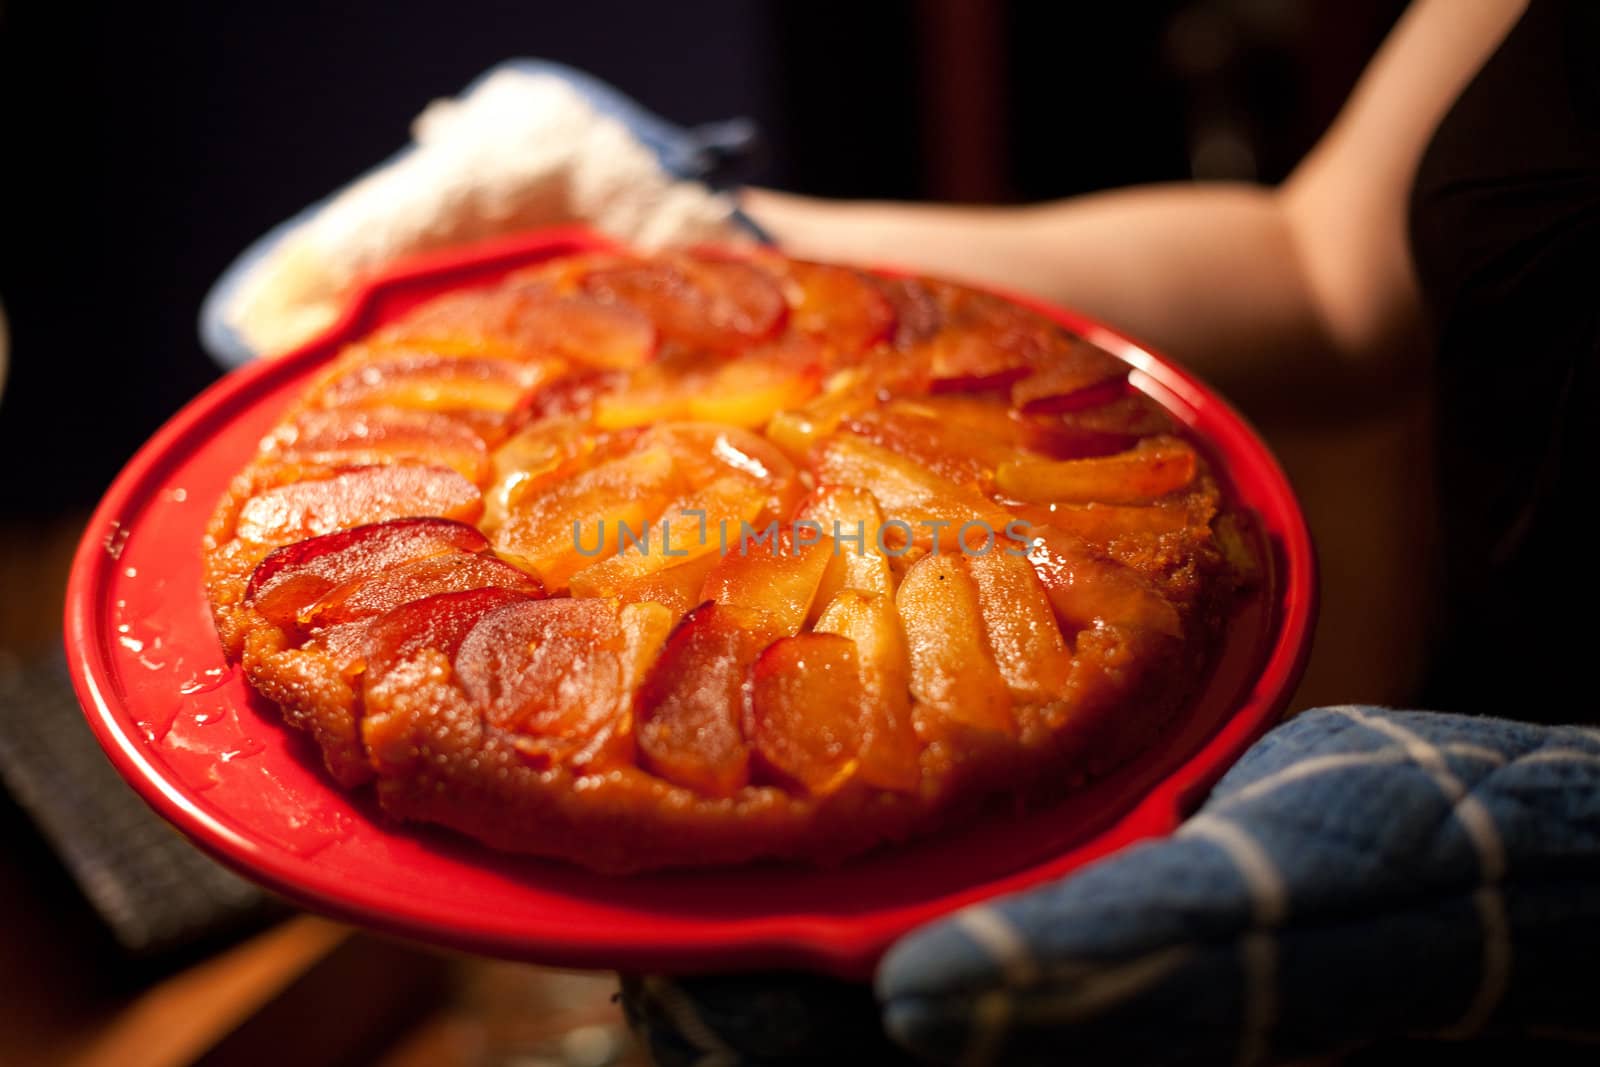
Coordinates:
(1505, 230)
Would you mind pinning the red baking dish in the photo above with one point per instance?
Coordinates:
(191, 737)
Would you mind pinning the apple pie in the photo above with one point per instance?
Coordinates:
(700, 558)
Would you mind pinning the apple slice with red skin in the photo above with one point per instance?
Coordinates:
(1079, 376)
(1114, 426)
(439, 622)
(588, 332)
(696, 302)
(984, 424)
(1148, 471)
(290, 579)
(572, 395)
(1022, 631)
(988, 343)
(803, 711)
(917, 314)
(356, 496)
(776, 578)
(953, 673)
(548, 668)
(1087, 590)
(349, 438)
(526, 322)
(471, 322)
(968, 361)
(369, 595)
(689, 707)
(890, 751)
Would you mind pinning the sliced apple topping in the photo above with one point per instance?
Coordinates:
(917, 315)
(375, 594)
(751, 390)
(352, 438)
(289, 580)
(676, 588)
(439, 623)
(845, 393)
(697, 302)
(924, 505)
(587, 516)
(355, 497)
(971, 362)
(751, 538)
(987, 343)
(428, 381)
(1148, 471)
(707, 451)
(1021, 627)
(689, 708)
(803, 711)
(889, 747)
(1081, 376)
(570, 396)
(592, 333)
(850, 517)
(552, 669)
(534, 458)
(745, 392)
(698, 524)
(775, 577)
(837, 304)
(1087, 590)
(471, 322)
(946, 448)
(1100, 430)
(953, 673)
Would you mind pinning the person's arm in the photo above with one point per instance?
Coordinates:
(1261, 289)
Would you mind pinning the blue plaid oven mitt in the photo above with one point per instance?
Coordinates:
(1360, 874)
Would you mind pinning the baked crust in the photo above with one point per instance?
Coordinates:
(434, 564)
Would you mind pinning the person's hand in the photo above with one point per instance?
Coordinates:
(1359, 874)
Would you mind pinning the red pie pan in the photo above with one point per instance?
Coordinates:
(217, 761)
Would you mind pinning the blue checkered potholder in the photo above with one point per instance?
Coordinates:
(1359, 874)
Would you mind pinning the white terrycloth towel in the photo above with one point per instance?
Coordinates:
(527, 145)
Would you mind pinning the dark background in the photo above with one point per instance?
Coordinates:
(146, 144)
